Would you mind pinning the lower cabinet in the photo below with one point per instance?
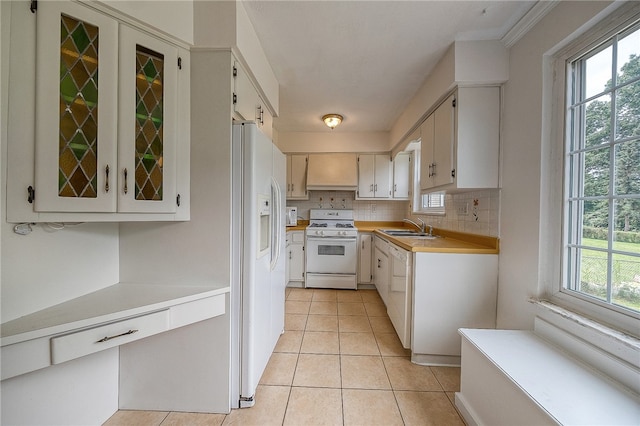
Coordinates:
(295, 257)
(365, 246)
(450, 291)
(381, 268)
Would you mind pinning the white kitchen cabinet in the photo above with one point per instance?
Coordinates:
(381, 268)
(461, 142)
(247, 102)
(365, 253)
(450, 291)
(401, 176)
(297, 177)
(295, 256)
(374, 176)
(107, 119)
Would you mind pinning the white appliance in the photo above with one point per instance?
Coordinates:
(292, 216)
(400, 296)
(258, 264)
(331, 249)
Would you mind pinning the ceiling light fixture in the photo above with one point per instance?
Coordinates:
(332, 120)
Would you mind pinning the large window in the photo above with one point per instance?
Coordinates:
(602, 172)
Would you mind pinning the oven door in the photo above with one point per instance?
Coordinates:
(331, 255)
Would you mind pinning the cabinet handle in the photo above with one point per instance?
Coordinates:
(375, 187)
(126, 189)
(434, 169)
(395, 187)
(430, 167)
(371, 189)
(106, 184)
(379, 262)
(105, 339)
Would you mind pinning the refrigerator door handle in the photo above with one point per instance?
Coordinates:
(275, 246)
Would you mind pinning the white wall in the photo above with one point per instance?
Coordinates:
(225, 24)
(80, 392)
(523, 112)
(333, 141)
(174, 17)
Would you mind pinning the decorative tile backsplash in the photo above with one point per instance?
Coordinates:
(475, 212)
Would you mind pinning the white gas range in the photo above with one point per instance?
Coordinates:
(331, 249)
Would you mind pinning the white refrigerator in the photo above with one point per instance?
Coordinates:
(258, 262)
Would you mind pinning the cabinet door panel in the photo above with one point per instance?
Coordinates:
(366, 175)
(382, 184)
(426, 152)
(365, 274)
(401, 175)
(247, 99)
(147, 123)
(76, 82)
(298, 179)
(444, 138)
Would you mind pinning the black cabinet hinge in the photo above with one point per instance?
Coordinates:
(453, 173)
(179, 63)
(178, 200)
(33, 6)
(453, 103)
(32, 194)
(235, 99)
(235, 71)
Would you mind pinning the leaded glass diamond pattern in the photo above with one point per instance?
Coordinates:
(149, 129)
(78, 149)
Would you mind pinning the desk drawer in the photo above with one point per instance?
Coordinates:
(85, 342)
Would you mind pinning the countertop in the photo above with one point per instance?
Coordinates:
(113, 303)
(450, 241)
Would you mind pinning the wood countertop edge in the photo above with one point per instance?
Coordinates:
(473, 243)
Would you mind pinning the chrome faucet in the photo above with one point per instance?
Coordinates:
(421, 226)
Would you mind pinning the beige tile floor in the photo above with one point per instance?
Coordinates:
(339, 362)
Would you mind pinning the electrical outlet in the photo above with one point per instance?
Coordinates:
(463, 209)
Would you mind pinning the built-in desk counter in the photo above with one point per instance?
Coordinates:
(110, 317)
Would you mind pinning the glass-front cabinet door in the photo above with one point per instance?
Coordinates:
(76, 101)
(106, 114)
(147, 124)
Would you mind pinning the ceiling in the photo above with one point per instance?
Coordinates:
(364, 59)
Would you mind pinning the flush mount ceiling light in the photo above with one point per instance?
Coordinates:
(332, 120)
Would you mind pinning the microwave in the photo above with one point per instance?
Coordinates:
(292, 216)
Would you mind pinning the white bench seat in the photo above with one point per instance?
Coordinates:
(514, 377)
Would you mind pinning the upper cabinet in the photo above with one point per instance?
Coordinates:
(374, 176)
(401, 176)
(247, 103)
(112, 116)
(297, 177)
(461, 142)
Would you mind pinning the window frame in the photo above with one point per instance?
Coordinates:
(554, 236)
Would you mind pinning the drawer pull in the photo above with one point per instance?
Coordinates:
(104, 339)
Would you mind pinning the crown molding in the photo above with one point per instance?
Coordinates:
(532, 17)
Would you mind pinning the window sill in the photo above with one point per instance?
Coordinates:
(614, 342)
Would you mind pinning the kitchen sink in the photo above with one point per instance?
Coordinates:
(408, 233)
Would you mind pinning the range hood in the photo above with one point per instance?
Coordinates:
(332, 171)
